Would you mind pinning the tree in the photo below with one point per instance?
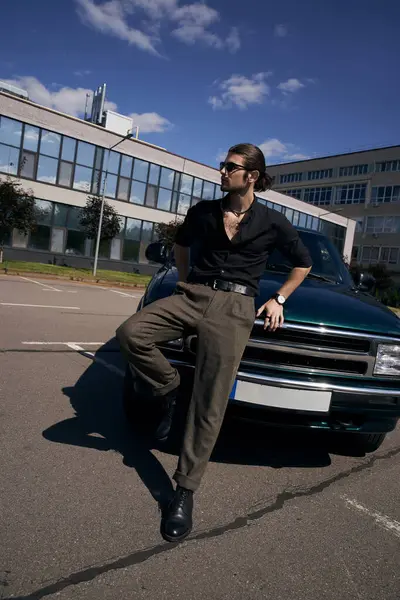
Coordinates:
(17, 211)
(166, 232)
(89, 219)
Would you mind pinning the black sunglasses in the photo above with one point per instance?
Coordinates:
(231, 166)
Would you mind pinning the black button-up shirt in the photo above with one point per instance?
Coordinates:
(240, 260)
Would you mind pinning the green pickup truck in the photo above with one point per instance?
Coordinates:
(334, 365)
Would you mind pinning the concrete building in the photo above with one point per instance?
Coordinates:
(364, 186)
(60, 158)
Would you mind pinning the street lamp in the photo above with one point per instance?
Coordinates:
(96, 254)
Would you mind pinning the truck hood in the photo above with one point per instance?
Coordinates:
(314, 303)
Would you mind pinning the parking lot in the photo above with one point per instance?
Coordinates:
(279, 515)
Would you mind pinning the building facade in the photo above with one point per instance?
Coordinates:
(61, 159)
(364, 186)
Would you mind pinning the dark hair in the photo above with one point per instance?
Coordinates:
(254, 160)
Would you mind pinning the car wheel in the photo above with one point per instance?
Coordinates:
(360, 442)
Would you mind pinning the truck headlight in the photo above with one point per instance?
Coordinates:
(387, 360)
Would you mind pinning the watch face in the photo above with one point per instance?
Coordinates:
(281, 299)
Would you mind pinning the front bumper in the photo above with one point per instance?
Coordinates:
(365, 407)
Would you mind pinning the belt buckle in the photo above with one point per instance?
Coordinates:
(214, 285)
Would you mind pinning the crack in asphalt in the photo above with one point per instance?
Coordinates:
(140, 556)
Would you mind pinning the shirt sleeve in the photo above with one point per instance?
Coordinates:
(186, 233)
(288, 242)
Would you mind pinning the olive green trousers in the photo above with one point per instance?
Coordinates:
(223, 322)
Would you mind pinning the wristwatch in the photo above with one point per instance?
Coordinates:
(279, 298)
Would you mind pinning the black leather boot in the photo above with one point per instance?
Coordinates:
(177, 523)
(164, 426)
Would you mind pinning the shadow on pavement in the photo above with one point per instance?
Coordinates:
(97, 400)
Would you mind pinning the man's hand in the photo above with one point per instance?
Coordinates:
(274, 317)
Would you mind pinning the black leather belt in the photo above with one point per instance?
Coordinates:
(228, 286)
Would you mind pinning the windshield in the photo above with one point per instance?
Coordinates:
(327, 263)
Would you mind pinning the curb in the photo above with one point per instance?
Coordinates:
(50, 277)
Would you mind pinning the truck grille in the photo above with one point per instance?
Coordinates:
(313, 339)
(305, 350)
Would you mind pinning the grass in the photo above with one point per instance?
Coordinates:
(13, 267)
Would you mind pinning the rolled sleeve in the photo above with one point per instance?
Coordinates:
(288, 242)
(186, 233)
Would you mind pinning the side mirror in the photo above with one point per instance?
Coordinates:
(156, 252)
(364, 281)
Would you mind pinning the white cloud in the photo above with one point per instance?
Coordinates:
(151, 122)
(82, 73)
(233, 42)
(241, 91)
(277, 151)
(280, 30)
(290, 86)
(65, 99)
(72, 101)
(110, 17)
(190, 22)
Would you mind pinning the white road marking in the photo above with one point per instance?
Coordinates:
(66, 291)
(40, 306)
(63, 343)
(44, 285)
(104, 363)
(379, 518)
(125, 294)
(74, 346)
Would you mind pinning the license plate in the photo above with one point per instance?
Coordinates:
(278, 397)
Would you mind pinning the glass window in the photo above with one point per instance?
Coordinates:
(98, 182)
(113, 162)
(174, 204)
(151, 196)
(154, 175)
(50, 143)
(10, 131)
(197, 187)
(164, 199)
(40, 238)
(31, 138)
(208, 190)
(167, 178)
(43, 211)
(187, 184)
(82, 178)
(132, 240)
(138, 192)
(27, 164)
(9, 159)
(75, 243)
(47, 169)
(123, 188)
(65, 174)
(98, 158)
(146, 235)
(183, 204)
(116, 245)
(57, 240)
(296, 216)
(74, 215)
(85, 154)
(104, 248)
(140, 170)
(111, 186)
(60, 214)
(68, 148)
(126, 166)
(195, 201)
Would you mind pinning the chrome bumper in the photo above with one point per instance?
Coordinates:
(304, 385)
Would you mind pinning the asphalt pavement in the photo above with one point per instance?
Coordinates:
(279, 515)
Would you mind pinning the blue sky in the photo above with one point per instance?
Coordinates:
(299, 78)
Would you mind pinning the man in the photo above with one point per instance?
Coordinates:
(215, 300)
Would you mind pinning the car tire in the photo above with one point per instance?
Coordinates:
(360, 443)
